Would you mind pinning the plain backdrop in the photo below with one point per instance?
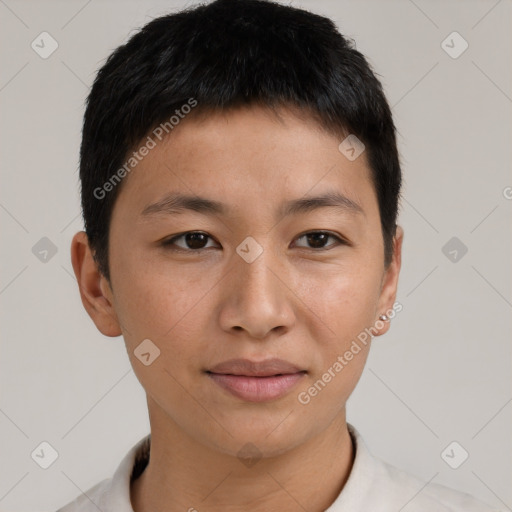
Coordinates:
(443, 371)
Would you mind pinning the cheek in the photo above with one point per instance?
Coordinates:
(344, 300)
(157, 302)
(166, 311)
(344, 308)
(327, 392)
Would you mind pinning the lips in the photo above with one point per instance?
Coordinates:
(254, 381)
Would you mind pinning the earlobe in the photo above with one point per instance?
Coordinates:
(95, 292)
(390, 285)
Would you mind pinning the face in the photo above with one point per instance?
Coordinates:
(254, 273)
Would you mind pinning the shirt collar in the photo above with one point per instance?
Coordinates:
(360, 486)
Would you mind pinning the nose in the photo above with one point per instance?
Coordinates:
(258, 299)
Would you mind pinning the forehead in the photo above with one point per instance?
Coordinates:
(244, 157)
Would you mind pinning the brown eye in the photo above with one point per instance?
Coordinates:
(193, 240)
(318, 239)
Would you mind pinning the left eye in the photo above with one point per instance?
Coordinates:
(318, 239)
(195, 240)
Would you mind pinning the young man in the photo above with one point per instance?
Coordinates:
(240, 187)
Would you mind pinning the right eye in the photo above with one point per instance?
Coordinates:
(194, 241)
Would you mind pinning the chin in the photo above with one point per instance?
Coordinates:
(263, 448)
(268, 437)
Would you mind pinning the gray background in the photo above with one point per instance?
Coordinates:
(441, 374)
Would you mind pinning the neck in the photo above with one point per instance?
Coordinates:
(183, 475)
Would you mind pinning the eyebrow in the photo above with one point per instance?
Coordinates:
(176, 203)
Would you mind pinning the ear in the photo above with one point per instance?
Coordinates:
(390, 282)
(95, 291)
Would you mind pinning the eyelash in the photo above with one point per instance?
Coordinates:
(170, 242)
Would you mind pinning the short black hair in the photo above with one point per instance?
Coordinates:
(220, 56)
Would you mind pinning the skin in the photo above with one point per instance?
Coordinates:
(298, 301)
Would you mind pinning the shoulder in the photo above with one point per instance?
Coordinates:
(376, 485)
(113, 494)
(415, 495)
(89, 501)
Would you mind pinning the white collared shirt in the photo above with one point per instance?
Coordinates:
(373, 486)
